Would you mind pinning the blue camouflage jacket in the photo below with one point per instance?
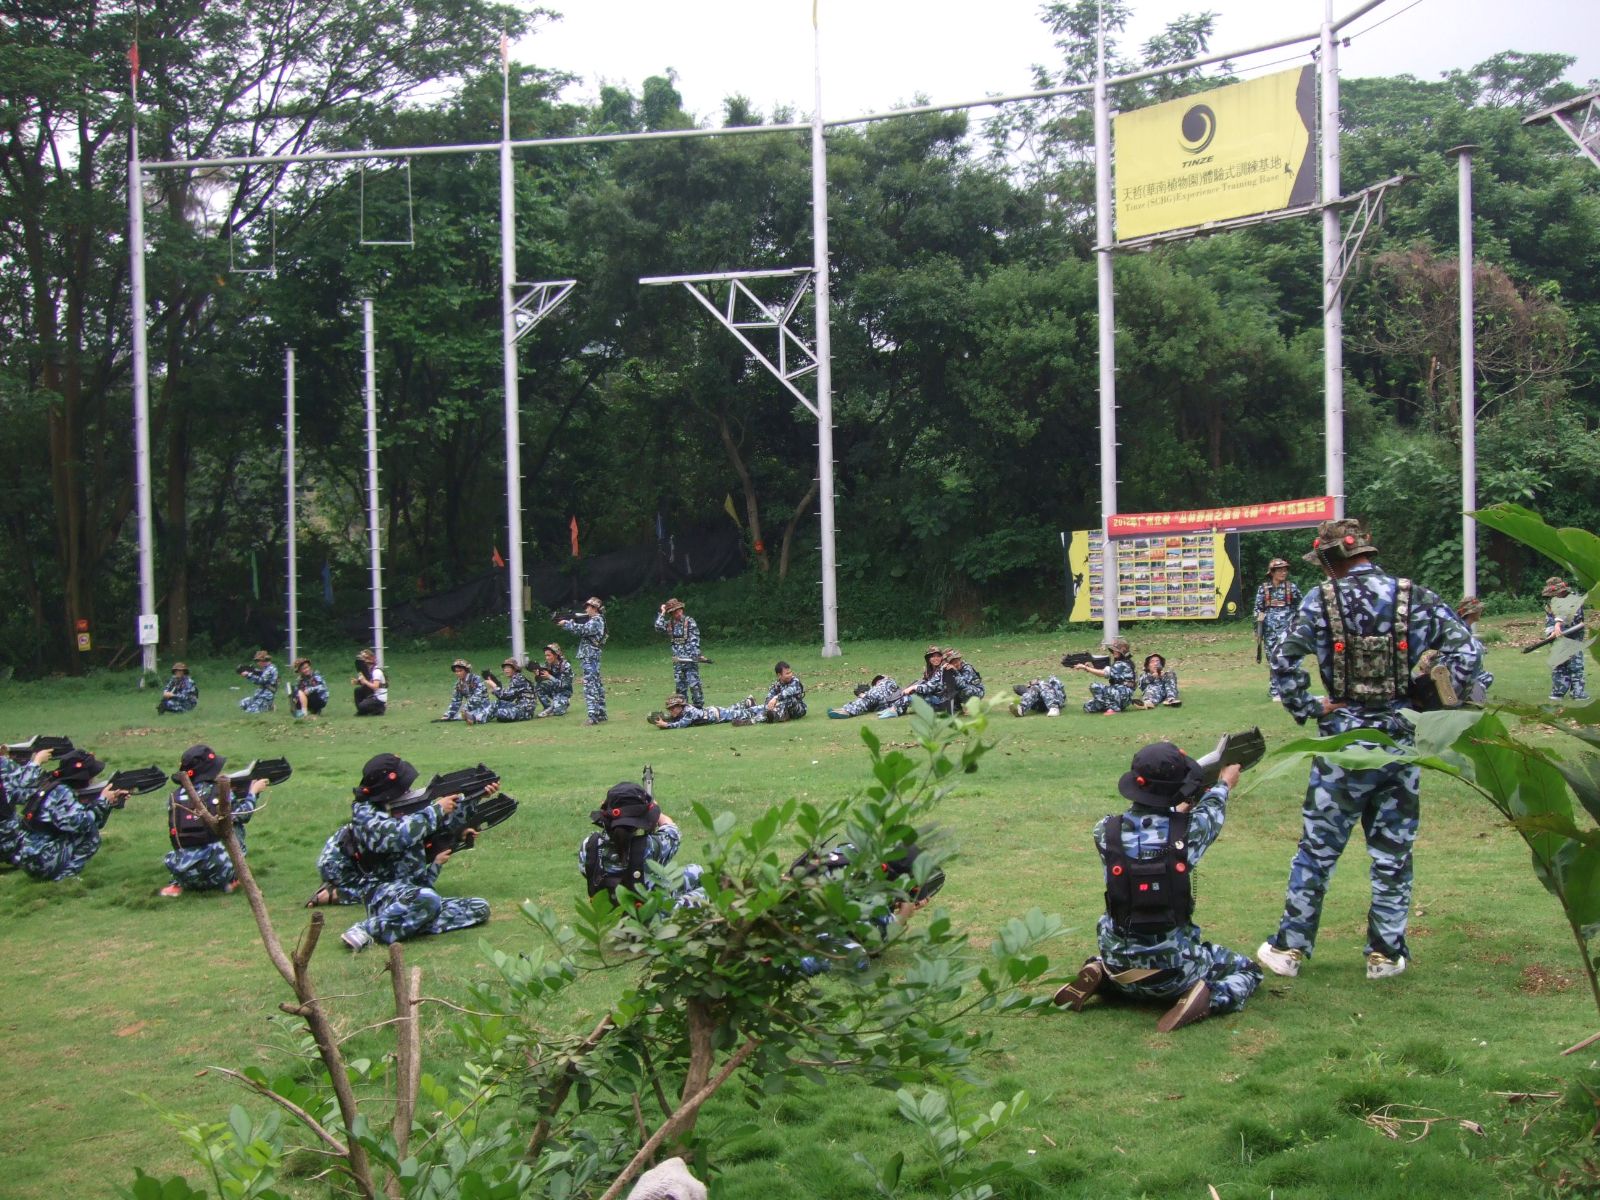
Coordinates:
(312, 685)
(590, 632)
(184, 691)
(790, 696)
(468, 690)
(1277, 602)
(685, 635)
(392, 848)
(266, 678)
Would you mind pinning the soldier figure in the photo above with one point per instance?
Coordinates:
(61, 830)
(1469, 610)
(469, 690)
(1564, 620)
(785, 698)
(17, 781)
(964, 681)
(1047, 696)
(1157, 685)
(633, 831)
(554, 682)
(265, 677)
(680, 714)
(180, 695)
(1150, 948)
(344, 879)
(870, 697)
(1277, 601)
(198, 860)
(1116, 693)
(371, 684)
(591, 635)
(1367, 630)
(930, 687)
(513, 700)
(308, 694)
(682, 629)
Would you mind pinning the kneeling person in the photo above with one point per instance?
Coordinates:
(633, 831)
(1150, 948)
(199, 861)
(60, 827)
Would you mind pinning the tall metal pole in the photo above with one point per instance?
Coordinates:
(819, 228)
(508, 350)
(1332, 300)
(289, 517)
(1108, 336)
(374, 549)
(1469, 366)
(141, 388)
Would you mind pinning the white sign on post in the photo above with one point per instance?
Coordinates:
(149, 629)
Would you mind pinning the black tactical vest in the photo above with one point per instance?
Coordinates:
(1149, 895)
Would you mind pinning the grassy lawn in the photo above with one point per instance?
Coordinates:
(114, 1001)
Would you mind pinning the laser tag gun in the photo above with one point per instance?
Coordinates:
(273, 770)
(566, 614)
(1085, 659)
(1260, 629)
(1575, 631)
(824, 861)
(1243, 750)
(701, 659)
(244, 668)
(138, 781)
(655, 715)
(23, 751)
(649, 781)
(490, 676)
(475, 810)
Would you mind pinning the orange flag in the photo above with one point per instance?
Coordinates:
(496, 559)
(574, 537)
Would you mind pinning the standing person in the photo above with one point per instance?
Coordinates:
(1277, 601)
(180, 695)
(591, 635)
(1041, 695)
(1563, 620)
(684, 633)
(1469, 610)
(870, 697)
(61, 831)
(1116, 693)
(469, 690)
(554, 682)
(513, 700)
(17, 781)
(265, 677)
(1157, 685)
(1367, 630)
(371, 684)
(199, 861)
(785, 698)
(308, 694)
(1150, 947)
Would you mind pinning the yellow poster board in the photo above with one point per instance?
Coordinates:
(1231, 152)
(1183, 577)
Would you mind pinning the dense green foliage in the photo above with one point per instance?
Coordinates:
(963, 325)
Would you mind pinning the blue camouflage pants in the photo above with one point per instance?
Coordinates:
(175, 705)
(880, 695)
(53, 858)
(1566, 679)
(594, 688)
(1273, 631)
(10, 841)
(1163, 689)
(1387, 803)
(200, 868)
(398, 911)
(1230, 975)
(339, 871)
(259, 701)
(1042, 695)
(686, 682)
(1108, 697)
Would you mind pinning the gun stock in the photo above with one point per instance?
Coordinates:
(1244, 750)
(58, 745)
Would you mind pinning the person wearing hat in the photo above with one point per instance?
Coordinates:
(1469, 610)
(633, 832)
(1563, 617)
(1116, 693)
(684, 633)
(1150, 947)
(965, 682)
(265, 676)
(1157, 685)
(180, 695)
(1367, 631)
(371, 684)
(680, 714)
(17, 781)
(930, 687)
(60, 829)
(553, 681)
(513, 700)
(198, 861)
(308, 691)
(1047, 696)
(469, 692)
(1277, 600)
(870, 697)
(591, 635)
(390, 827)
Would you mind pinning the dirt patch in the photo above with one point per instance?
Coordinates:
(130, 1030)
(1537, 980)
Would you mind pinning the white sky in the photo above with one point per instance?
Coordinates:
(879, 53)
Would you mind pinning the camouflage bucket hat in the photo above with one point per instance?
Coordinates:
(1470, 608)
(1554, 586)
(1118, 646)
(676, 701)
(180, 668)
(263, 656)
(594, 603)
(1340, 539)
(1276, 563)
(461, 664)
(673, 605)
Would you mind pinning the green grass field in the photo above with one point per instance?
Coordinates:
(111, 993)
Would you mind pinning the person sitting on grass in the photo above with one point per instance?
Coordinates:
(964, 681)
(469, 691)
(1116, 693)
(198, 861)
(60, 827)
(265, 676)
(1157, 685)
(931, 687)
(554, 682)
(180, 695)
(308, 691)
(1150, 947)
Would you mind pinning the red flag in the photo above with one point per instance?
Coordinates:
(574, 537)
(496, 559)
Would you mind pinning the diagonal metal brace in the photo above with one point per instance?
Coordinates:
(535, 302)
(1579, 119)
(1368, 204)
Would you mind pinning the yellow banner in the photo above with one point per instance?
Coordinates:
(1184, 577)
(1231, 152)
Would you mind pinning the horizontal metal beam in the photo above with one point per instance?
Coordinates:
(725, 276)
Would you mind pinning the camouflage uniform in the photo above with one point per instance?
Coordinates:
(591, 635)
(403, 903)
(350, 883)
(661, 845)
(1116, 693)
(930, 687)
(515, 701)
(555, 689)
(17, 782)
(1159, 689)
(185, 695)
(685, 635)
(879, 695)
(1385, 800)
(265, 677)
(316, 690)
(208, 868)
(1484, 679)
(1181, 956)
(1041, 696)
(76, 837)
(711, 714)
(469, 694)
(1566, 678)
(969, 684)
(791, 701)
(1276, 604)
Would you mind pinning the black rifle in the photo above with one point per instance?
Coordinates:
(1575, 632)
(481, 814)
(244, 669)
(1260, 627)
(701, 659)
(1243, 750)
(649, 778)
(137, 781)
(273, 770)
(825, 861)
(475, 810)
(569, 615)
(490, 676)
(58, 746)
(1084, 658)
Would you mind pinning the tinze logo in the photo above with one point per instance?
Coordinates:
(1199, 127)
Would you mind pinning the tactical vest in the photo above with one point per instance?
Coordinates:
(1275, 597)
(1149, 895)
(630, 876)
(1371, 669)
(185, 827)
(34, 818)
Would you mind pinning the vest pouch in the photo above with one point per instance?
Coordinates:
(1371, 669)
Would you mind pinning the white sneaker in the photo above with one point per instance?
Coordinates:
(357, 938)
(1054, 712)
(1016, 710)
(1280, 962)
(1381, 966)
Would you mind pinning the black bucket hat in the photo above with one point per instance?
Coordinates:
(628, 806)
(1162, 776)
(76, 768)
(201, 763)
(385, 778)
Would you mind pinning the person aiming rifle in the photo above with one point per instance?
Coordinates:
(62, 818)
(199, 860)
(590, 630)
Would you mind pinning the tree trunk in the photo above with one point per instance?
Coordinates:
(788, 532)
(752, 509)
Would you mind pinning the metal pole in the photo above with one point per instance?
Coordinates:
(374, 550)
(289, 520)
(1469, 406)
(819, 228)
(1332, 300)
(1108, 337)
(508, 351)
(141, 390)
